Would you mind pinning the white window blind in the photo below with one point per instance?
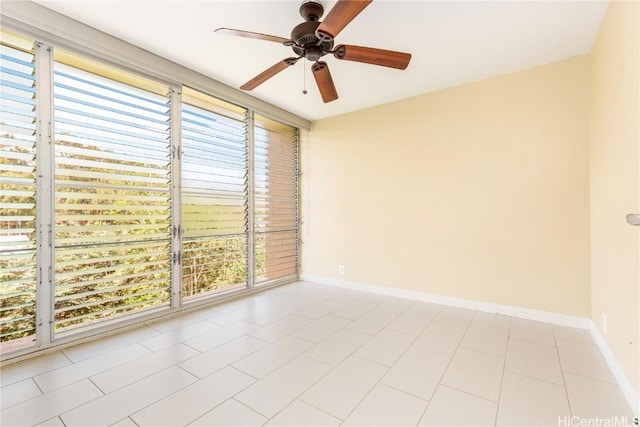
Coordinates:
(17, 193)
(214, 195)
(112, 193)
(276, 200)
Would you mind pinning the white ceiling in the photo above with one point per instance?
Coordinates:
(452, 42)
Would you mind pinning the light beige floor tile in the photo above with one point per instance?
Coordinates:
(101, 346)
(417, 372)
(565, 333)
(282, 327)
(529, 402)
(396, 305)
(492, 319)
(166, 325)
(475, 372)
(274, 392)
(138, 369)
(321, 328)
(263, 316)
(115, 406)
(426, 307)
(534, 360)
(344, 296)
(585, 360)
(49, 405)
(385, 406)
(125, 422)
(178, 335)
(15, 393)
(272, 356)
(370, 392)
(340, 391)
(230, 317)
(320, 309)
(88, 367)
(53, 422)
(299, 413)
(385, 347)
(372, 322)
(29, 368)
(450, 407)
(306, 300)
(285, 306)
(230, 413)
(441, 338)
(373, 297)
(355, 309)
(529, 330)
(190, 403)
(489, 339)
(338, 346)
(220, 336)
(289, 301)
(454, 316)
(297, 300)
(590, 398)
(412, 322)
(219, 357)
(235, 304)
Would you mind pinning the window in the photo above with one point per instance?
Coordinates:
(121, 197)
(276, 200)
(17, 193)
(112, 193)
(214, 195)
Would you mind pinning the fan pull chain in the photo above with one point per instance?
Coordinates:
(304, 80)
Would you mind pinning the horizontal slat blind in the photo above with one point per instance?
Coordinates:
(17, 194)
(112, 194)
(276, 200)
(214, 194)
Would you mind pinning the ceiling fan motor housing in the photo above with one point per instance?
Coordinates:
(306, 43)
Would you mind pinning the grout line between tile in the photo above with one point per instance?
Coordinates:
(504, 369)
(566, 392)
(444, 371)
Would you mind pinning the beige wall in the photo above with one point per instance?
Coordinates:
(479, 191)
(615, 182)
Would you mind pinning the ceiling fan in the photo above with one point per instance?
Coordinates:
(314, 39)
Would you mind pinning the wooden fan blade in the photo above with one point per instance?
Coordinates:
(339, 16)
(251, 35)
(369, 55)
(324, 81)
(268, 73)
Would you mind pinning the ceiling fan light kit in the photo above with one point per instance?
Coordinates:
(313, 39)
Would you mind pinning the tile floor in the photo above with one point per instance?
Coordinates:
(307, 354)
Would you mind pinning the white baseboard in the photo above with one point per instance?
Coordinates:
(487, 307)
(630, 394)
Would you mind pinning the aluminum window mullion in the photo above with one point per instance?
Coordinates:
(176, 198)
(44, 195)
(251, 255)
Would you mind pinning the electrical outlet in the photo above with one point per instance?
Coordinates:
(341, 270)
(603, 323)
